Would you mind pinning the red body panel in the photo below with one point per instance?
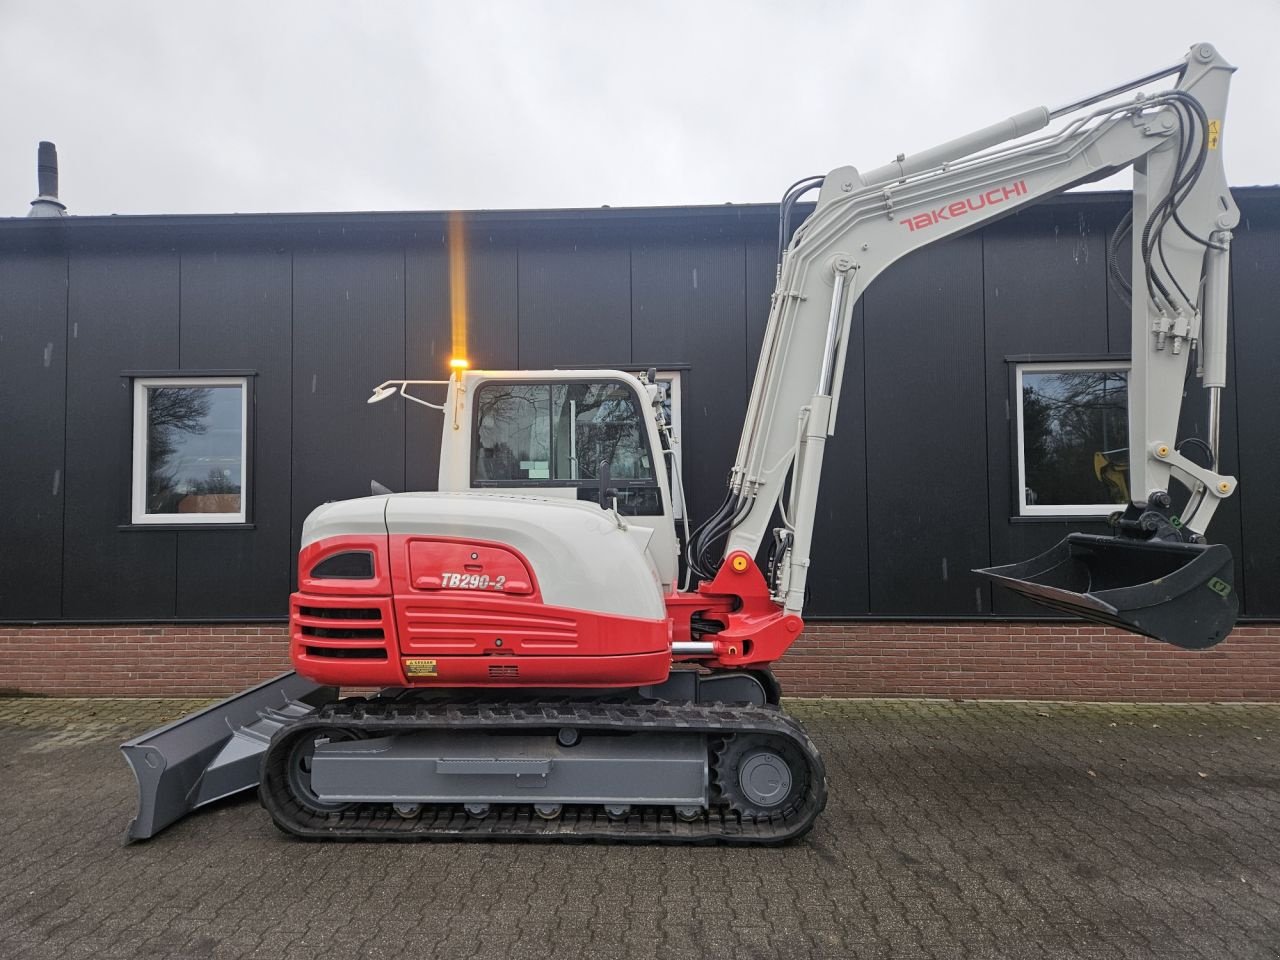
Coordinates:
(635, 670)
(441, 611)
(337, 658)
(313, 554)
(454, 613)
(440, 564)
(341, 631)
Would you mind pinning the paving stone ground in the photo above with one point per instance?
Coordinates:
(985, 830)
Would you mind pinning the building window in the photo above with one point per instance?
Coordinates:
(190, 443)
(1073, 438)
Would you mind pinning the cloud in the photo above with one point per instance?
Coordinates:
(246, 106)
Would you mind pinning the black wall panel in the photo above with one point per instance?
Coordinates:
(348, 336)
(1044, 278)
(687, 301)
(838, 579)
(575, 302)
(921, 467)
(491, 332)
(123, 316)
(1255, 276)
(1103, 219)
(33, 341)
(926, 433)
(236, 316)
(762, 268)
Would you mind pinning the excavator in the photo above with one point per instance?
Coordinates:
(557, 656)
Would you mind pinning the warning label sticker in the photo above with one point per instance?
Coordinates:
(420, 668)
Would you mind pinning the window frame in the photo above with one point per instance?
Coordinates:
(138, 515)
(675, 428)
(1043, 511)
(562, 484)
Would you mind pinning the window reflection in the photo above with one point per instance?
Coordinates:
(514, 432)
(557, 434)
(1075, 436)
(597, 422)
(194, 460)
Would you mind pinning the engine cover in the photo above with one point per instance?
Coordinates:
(478, 590)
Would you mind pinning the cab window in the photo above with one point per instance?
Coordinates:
(557, 434)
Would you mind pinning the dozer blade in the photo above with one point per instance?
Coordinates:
(214, 752)
(1181, 593)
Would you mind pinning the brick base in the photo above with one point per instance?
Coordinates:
(165, 660)
(1033, 661)
(856, 659)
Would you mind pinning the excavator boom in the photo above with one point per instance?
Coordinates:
(1181, 220)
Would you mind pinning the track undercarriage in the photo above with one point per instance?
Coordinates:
(410, 765)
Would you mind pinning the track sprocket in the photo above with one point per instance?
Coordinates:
(760, 776)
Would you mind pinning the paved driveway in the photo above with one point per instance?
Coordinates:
(954, 830)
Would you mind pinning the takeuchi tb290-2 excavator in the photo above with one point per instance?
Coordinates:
(555, 663)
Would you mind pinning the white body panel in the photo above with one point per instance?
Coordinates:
(580, 555)
(363, 517)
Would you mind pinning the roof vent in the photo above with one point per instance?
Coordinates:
(47, 204)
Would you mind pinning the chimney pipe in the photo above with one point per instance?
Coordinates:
(47, 204)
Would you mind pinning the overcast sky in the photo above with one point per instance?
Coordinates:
(224, 106)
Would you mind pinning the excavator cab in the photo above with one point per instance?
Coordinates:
(1180, 593)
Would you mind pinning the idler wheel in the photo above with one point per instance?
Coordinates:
(298, 769)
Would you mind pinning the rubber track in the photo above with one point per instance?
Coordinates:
(577, 823)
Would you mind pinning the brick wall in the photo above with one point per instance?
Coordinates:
(151, 661)
(1027, 661)
(992, 660)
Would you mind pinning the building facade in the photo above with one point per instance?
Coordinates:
(982, 371)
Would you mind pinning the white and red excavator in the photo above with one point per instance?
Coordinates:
(555, 661)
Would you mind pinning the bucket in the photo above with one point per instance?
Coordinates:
(1180, 593)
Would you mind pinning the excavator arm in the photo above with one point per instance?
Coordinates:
(1181, 220)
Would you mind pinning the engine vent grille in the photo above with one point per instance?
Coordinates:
(341, 613)
(342, 626)
(341, 633)
(503, 670)
(348, 653)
